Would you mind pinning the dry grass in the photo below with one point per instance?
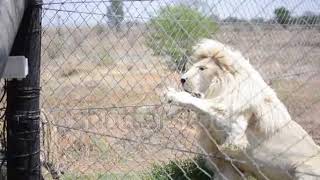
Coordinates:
(102, 110)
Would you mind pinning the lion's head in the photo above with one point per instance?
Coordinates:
(212, 71)
(203, 75)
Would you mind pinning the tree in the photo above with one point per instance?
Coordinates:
(175, 30)
(283, 15)
(115, 13)
(258, 20)
(309, 18)
(231, 19)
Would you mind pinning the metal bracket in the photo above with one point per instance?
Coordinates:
(16, 68)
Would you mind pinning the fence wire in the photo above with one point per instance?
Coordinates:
(106, 65)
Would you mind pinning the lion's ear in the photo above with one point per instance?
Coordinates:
(224, 61)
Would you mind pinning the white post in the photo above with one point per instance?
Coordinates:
(11, 13)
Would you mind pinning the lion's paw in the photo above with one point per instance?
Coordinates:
(180, 98)
(228, 147)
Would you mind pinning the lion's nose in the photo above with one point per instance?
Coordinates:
(182, 80)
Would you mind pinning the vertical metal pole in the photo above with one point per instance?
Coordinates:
(23, 114)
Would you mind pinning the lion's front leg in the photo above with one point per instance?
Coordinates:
(237, 139)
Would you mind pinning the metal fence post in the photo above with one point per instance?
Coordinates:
(23, 114)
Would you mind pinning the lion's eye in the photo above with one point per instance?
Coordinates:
(201, 68)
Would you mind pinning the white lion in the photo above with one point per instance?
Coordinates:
(240, 116)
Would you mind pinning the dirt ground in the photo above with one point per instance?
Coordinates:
(101, 91)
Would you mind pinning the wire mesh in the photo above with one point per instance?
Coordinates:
(106, 65)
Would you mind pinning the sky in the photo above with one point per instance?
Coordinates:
(92, 12)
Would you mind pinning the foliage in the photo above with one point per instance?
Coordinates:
(99, 29)
(257, 20)
(179, 170)
(105, 59)
(115, 13)
(308, 18)
(101, 176)
(175, 30)
(231, 19)
(282, 15)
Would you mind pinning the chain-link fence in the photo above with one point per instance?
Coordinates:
(106, 65)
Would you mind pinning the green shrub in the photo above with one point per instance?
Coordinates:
(282, 15)
(194, 169)
(99, 29)
(105, 59)
(175, 30)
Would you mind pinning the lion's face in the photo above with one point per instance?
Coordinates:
(203, 76)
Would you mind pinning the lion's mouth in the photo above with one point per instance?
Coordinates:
(194, 94)
(197, 95)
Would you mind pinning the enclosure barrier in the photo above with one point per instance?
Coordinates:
(106, 64)
(22, 111)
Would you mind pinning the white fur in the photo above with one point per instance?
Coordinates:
(240, 115)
